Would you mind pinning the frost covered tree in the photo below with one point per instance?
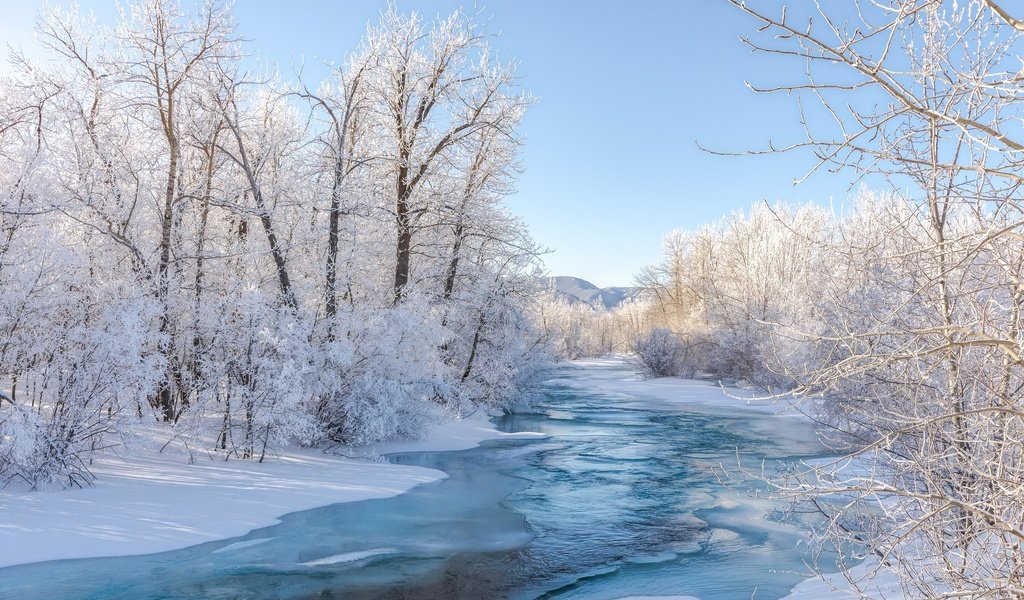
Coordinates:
(732, 289)
(340, 108)
(660, 353)
(189, 239)
(430, 91)
(578, 330)
(922, 369)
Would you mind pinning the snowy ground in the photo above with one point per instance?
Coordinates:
(834, 586)
(617, 376)
(156, 502)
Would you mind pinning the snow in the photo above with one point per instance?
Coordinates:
(155, 502)
(457, 435)
(616, 375)
(884, 584)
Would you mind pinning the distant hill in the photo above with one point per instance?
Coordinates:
(575, 289)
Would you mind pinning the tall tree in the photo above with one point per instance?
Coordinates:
(342, 101)
(923, 94)
(430, 90)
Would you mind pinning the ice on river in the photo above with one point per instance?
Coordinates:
(346, 557)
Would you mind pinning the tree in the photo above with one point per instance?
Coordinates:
(133, 287)
(659, 354)
(262, 139)
(430, 91)
(342, 101)
(923, 372)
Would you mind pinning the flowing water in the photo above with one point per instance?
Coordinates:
(619, 500)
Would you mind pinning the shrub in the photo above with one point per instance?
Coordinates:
(660, 353)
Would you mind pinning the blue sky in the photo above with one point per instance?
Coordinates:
(626, 91)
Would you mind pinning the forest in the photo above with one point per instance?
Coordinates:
(189, 238)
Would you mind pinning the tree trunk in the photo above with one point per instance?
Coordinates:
(268, 226)
(404, 246)
(331, 293)
(275, 251)
(453, 264)
(197, 342)
(472, 348)
(164, 398)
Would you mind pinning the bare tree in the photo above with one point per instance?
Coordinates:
(260, 139)
(485, 177)
(343, 103)
(924, 94)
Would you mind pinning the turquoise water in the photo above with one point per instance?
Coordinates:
(618, 500)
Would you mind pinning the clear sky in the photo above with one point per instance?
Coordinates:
(626, 91)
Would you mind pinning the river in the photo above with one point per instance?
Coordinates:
(622, 498)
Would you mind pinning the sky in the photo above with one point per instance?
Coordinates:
(627, 90)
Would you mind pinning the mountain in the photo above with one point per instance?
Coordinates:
(575, 289)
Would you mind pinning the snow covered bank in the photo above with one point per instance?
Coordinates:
(882, 585)
(617, 375)
(156, 502)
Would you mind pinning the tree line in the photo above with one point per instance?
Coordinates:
(189, 238)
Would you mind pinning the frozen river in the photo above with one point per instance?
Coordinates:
(620, 499)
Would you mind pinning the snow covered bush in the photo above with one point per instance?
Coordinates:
(660, 353)
(22, 445)
(497, 353)
(395, 383)
(88, 383)
(258, 381)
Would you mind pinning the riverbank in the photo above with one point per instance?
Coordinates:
(153, 502)
(158, 502)
(616, 375)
